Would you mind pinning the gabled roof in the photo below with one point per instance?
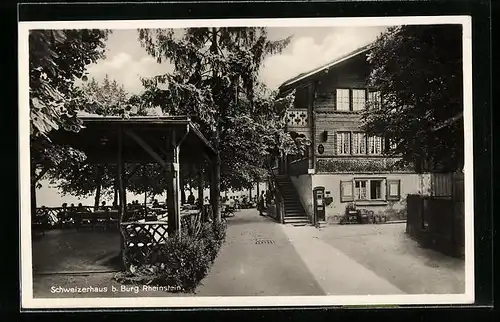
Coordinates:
(335, 62)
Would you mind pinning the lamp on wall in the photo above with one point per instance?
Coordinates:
(324, 136)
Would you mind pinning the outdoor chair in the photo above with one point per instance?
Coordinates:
(114, 219)
(38, 225)
(84, 220)
(100, 220)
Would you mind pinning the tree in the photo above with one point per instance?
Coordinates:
(106, 98)
(79, 177)
(57, 58)
(215, 81)
(418, 70)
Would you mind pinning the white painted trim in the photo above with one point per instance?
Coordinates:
(327, 66)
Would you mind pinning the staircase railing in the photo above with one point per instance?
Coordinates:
(277, 197)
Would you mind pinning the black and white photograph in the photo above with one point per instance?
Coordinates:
(246, 162)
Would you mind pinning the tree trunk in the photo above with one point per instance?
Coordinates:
(115, 197)
(33, 189)
(217, 164)
(258, 188)
(98, 181)
(122, 196)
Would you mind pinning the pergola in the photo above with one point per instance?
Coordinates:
(167, 140)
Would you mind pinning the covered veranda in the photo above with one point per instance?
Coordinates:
(167, 140)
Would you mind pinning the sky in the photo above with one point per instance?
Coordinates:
(310, 47)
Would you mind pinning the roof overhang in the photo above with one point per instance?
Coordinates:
(98, 138)
(304, 77)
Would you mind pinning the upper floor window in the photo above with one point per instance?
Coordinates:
(343, 102)
(374, 97)
(374, 145)
(343, 143)
(358, 143)
(358, 99)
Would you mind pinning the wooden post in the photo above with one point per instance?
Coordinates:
(214, 195)
(121, 194)
(172, 195)
(181, 186)
(98, 181)
(200, 186)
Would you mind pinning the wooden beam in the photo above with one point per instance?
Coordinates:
(172, 190)
(42, 173)
(147, 148)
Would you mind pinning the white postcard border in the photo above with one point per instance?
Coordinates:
(27, 300)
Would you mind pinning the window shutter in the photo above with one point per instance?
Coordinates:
(346, 191)
(393, 190)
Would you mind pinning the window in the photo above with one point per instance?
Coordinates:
(358, 143)
(358, 99)
(360, 189)
(375, 98)
(377, 189)
(343, 143)
(343, 100)
(374, 145)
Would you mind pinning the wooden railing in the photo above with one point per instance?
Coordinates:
(140, 237)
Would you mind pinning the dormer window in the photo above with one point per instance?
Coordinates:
(358, 99)
(343, 102)
(350, 99)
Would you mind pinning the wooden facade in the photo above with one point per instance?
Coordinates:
(327, 110)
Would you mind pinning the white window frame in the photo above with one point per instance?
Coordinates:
(368, 192)
(375, 97)
(374, 145)
(342, 139)
(343, 94)
(390, 190)
(358, 143)
(358, 99)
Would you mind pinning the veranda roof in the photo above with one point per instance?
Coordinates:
(99, 138)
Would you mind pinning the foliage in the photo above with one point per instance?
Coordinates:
(215, 82)
(418, 70)
(57, 59)
(75, 175)
(182, 262)
(107, 98)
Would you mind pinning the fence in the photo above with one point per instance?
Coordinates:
(437, 221)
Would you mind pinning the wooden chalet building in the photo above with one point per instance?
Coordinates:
(350, 166)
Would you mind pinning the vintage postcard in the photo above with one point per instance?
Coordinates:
(246, 162)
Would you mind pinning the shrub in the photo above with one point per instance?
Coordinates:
(181, 262)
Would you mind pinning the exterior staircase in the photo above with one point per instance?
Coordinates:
(294, 212)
